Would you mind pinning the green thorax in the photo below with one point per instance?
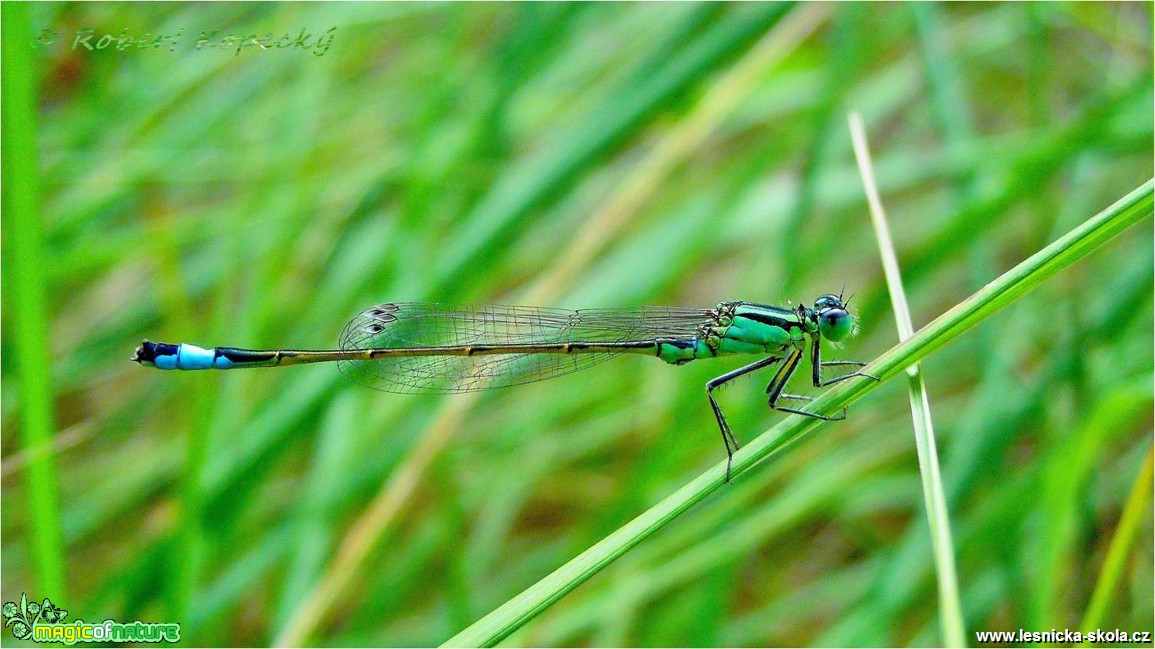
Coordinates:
(744, 328)
(747, 328)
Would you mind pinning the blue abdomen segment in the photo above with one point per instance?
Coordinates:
(184, 356)
(191, 357)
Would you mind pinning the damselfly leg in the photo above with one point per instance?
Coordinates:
(817, 362)
(727, 435)
(778, 383)
(775, 388)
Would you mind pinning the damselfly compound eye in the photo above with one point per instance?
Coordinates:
(835, 324)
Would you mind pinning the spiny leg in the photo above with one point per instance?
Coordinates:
(855, 363)
(727, 435)
(817, 365)
(845, 376)
(778, 383)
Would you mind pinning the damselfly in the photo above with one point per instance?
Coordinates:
(429, 348)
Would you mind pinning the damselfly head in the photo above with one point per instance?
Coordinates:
(834, 322)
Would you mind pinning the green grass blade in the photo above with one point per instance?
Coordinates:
(25, 296)
(995, 296)
(1137, 508)
(938, 517)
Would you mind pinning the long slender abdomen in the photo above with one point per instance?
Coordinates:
(184, 356)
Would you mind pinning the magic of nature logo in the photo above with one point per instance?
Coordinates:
(45, 622)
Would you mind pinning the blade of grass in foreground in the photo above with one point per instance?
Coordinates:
(26, 301)
(950, 607)
(1009, 287)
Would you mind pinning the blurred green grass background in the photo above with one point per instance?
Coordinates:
(577, 155)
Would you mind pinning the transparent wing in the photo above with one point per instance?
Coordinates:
(404, 325)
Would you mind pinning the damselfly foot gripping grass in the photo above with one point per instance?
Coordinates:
(429, 348)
